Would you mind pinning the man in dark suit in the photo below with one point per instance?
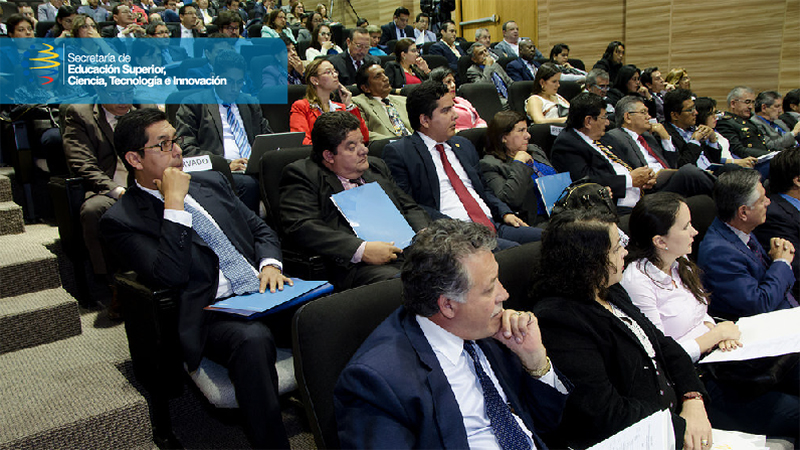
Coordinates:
(170, 13)
(578, 150)
(777, 135)
(124, 30)
(791, 108)
(311, 220)
(695, 144)
(385, 114)
(744, 279)
(485, 69)
(524, 68)
(745, 139)
(348, 62)
(89, 146)
(634, 141)
(451, 368)
(191, 26)
(169, 53)
(225, 122)
(447, 47)
(440, 171)
(161, 229)
(783, 213)
(398, 28)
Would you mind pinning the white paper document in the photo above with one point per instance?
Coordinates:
(769, 334)
(654, 432)
(735, 440)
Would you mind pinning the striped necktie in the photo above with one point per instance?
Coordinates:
(238, 132)
(610, 155)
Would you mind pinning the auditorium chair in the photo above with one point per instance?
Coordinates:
(376, 147)
(435, 61)
(278, 114)
(569, 89)
(518, 93)
(543, 135)
(478, 138)
(483, 97)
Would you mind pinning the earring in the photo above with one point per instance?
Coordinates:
(666, 248)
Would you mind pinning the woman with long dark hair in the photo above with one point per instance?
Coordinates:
(612, 59)
(546, 105)
(408, 67)
(321, 43)
(628, 83)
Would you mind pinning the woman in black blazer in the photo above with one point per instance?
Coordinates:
(623, 368)
(408, 67)
(512, 164)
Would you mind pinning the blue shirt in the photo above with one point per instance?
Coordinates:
(794, 202)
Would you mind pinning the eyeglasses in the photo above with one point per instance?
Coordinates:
(231, 28)
(689, 110)
(166, 145)
(360, 46)
(746, 102)
(603, 88)
(640, 112)
(330, 72)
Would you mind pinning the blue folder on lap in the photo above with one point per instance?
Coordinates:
(373, 216)
(257, 304)
(551, 187)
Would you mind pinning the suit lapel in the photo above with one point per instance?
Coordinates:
(212, 110)
(102, 123)
(430, 168)
(635, 149)
(381, 113)
(731, 237)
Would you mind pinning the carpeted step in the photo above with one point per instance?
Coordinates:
(6, 194)
(11, 220)
(37, 318)
(26, 265)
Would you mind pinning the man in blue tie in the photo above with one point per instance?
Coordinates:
(225, 122)
(190, 233)
(451, 368)
(743, 277)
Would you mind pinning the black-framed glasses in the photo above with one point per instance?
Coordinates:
(167, 144)
(689, 110)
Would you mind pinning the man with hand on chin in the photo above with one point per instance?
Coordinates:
(451, 368)
(192, 234)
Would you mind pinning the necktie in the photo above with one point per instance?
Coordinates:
(474, 210)
(358, 64)
(652, 153)
(165, 56)
(611, 155)
(506, 429)
(357, 181)
(232, 264)
(399, 127)
(500, 85)
(238, 132)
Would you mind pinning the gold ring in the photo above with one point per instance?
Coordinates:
(704, 442)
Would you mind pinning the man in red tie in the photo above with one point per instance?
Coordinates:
(641, 143)
(440, 170)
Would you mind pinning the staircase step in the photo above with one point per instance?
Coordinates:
(11, 220)
(26, 265)
(37, 318)
(6, 194)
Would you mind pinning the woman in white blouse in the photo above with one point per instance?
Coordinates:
(546, 105)
(666, 287)
(276, 26)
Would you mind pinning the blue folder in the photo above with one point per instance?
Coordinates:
(257, 304)
(373, 216)
(551, 187)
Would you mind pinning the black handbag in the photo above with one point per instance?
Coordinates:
(754, 376)
(582, 194)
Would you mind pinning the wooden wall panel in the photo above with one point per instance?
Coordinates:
(647, 33)
(789, 76)
(521, 11)
(378, 12)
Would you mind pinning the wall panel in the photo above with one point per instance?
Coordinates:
(789, 76)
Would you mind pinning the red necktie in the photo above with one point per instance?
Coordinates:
(652, 153)
(474, 210)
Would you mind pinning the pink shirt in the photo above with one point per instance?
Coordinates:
(467, 115)
(672, 308)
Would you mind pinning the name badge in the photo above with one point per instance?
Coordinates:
(197, 163)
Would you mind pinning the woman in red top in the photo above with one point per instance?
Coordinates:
(408, 67)
(323, 80)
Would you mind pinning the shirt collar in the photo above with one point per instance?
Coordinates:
(793, 201)
(656, 274)
(441, 340)
(744, 237)
(154, 192)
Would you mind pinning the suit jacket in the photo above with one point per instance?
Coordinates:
(518, 70)
(414, 172)
(343, 64)
(312, 221)
(170, 16)
(512, 182)
(397, 78)
(505, 48)
(740, 284)
(616, 382)
(89, 147)
(394, 394)
(377, 118)
(744, 138)
(389, 33)
(572, 154)
(789, 118)
(623, 145)
(46, 12)
(688, 152)
(169, 254)
(783, 220)
(477, 74)
(774, 140)
(200, 124)
(440, 48)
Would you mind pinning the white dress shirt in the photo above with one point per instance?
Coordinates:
(632, 194)
(652, 162)
(668, 303)
(459, 370)
(450, 204)
(184, 218)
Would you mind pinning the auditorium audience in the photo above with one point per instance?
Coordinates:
(652, 80)
(321, 43)
(707, 114)
(323, 81)
(696, 142)
(63, 25)
(467, 116)
(612, 59)
(408, 66)
(628, 83)
(421, 32)
(448, 48)
(484, 36)
(678, 79)
(666, 287)
(623, 368)
(512, 164)
(339, 162)
(743, 278)
(356, 54)
(777, 135)
(783, 212)
(276, 26)
(598, 82)
(791, 108)
(745, 139)
(546, 105)
(397, 29)
(559, 55)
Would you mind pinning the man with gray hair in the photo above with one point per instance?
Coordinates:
(598, 82)
(777, 135)
(744, 280)
(483, 36)
(745, 139)
(451, 368)
(485, 69)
